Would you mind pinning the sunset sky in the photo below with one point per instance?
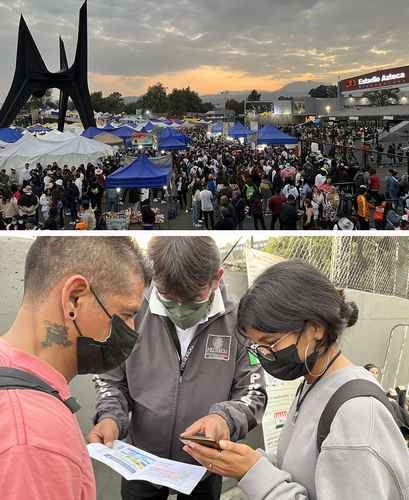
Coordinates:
(213, 45)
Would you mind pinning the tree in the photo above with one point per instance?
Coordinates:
(97, 102)
(130, 108)
(38, 101)
(254, 96)
(207, 106)
(181, 101)
(114, 104)
(324, 91)
(236, 106)
(155, 99)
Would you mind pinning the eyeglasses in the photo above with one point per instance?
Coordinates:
(267, 351)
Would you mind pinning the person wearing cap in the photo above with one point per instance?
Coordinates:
(363, 208)
(28, 203)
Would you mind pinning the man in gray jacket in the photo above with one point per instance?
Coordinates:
(188, 373)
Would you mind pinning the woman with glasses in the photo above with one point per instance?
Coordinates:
(293, 318)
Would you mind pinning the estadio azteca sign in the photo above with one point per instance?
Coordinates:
(376, 80)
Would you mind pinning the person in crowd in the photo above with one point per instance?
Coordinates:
(76, 318)
(276, 204)
(239, 206)
(373, 369)
(196, 204)
(207, 207)
(308, 218)
(148, 215)
(391, 219)
(256, 210)
(289, 214)
(87, 216)
(293, 318)
(28, 203)
(204, 383)
(392, 187)
(363, 208)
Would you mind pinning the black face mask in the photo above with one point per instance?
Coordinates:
(99, 357)
(287, 364)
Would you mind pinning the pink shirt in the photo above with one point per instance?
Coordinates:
(42, 451)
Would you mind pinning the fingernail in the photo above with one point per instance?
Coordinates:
(192, 445)
(109, 445)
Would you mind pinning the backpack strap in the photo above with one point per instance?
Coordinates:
(11, 379)
(352, 389)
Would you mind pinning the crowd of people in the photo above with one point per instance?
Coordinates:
(54, 197)
(226, 185)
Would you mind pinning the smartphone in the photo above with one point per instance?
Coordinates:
(202, 440)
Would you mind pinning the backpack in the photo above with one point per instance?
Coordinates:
(356, 389)
(11, 379)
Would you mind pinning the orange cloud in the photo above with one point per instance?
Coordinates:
(204, 80)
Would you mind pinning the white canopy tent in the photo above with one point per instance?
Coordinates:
(56, 136)
(66, 151)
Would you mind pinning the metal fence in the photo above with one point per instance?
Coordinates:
(377, 264)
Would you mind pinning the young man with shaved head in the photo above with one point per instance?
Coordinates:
(77, 316)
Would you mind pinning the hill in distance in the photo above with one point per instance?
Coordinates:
(292, 89)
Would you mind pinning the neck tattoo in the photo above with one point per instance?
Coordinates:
(56, 335)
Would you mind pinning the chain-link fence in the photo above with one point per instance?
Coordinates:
(372, 264)
(377, 264)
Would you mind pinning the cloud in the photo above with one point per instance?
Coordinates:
(213, 45)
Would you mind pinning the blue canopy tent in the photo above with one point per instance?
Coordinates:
(239, 131)
(272, 135)
(92, 132)
(170, 133)
(218, 128)
(172, 144)
(148, 128)
(124, 132)
(142, 173)
(10, 135)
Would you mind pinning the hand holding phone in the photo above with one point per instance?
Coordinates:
(202, 440)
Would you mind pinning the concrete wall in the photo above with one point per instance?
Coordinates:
(367, 341)
(364, 343)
